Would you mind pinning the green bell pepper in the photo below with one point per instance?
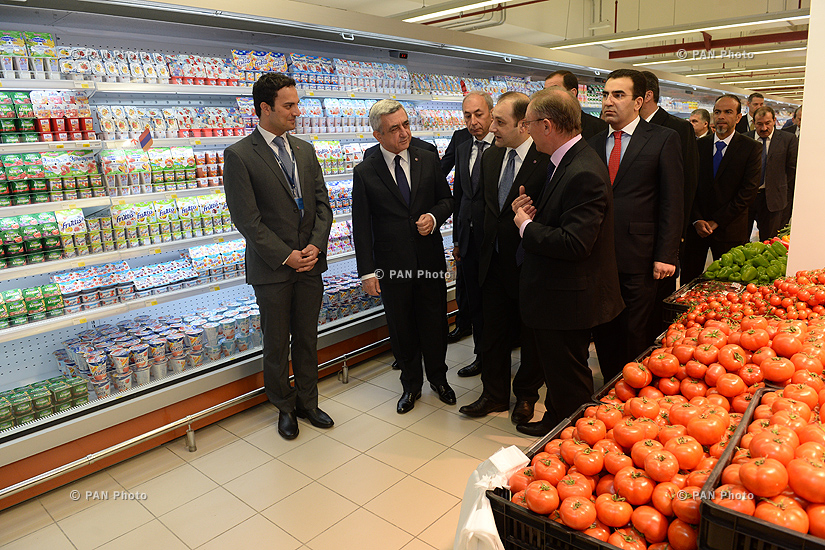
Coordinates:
(738, 255)
(724, 273)
(748, 252)
(772, 272)
(726, 260)
(749, 273)
(759, 247)
(761, 261)
(715, 266)
(779, 248)
(736, 277)
(710, 274)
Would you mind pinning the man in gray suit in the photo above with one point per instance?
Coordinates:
(779, 151)
(277, 198)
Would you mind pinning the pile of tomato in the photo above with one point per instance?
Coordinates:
(630, 471)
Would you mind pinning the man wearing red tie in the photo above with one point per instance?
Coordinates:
(644, 162)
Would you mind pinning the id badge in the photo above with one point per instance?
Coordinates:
(300, 202)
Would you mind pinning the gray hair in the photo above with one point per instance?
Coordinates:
(703, 114)
(381, 108)
(488, 99)
(559, 107)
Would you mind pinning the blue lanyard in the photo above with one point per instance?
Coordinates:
(289, 177)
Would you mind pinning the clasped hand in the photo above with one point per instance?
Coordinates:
(303, 260)
(523, 207)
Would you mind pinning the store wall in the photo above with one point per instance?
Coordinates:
(807, 250)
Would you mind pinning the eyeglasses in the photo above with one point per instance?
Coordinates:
(529, 122)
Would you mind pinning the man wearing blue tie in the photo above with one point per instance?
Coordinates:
(730, 165)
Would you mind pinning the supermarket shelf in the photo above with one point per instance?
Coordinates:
(43, 146)
(145, 197)
(458, 98)
(66, 321)
(341, 217)
(13, 273)
(32, 84)
(171, 142)
(340, 257)
(338, 177)
(337, 136)
(178, 89)
(53, 206)
(331, 326)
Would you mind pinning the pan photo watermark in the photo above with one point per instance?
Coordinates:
(107, 495)
(713, 54)
(412, 274)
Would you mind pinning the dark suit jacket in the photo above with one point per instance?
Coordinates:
(726, 198)
(262, 207)
(499, 224)
(469, 205)
(569, 279)
(780, 168)
(414, 142)
(648, 197)
(743, 126)
(791, 129)
(449, 158)
(591, 125)
(690, 156)
(383, 225)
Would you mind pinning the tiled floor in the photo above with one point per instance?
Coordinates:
(377, 480)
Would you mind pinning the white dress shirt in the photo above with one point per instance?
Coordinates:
(726, 140)
(474, 150)
(647, 119)
(521, 152)
(627, 132)
(767, 146)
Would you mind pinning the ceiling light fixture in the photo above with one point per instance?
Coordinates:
(690, 30)
(788, 86)
(451, 11)
(746, 70)
(677, 60)
(735, 82)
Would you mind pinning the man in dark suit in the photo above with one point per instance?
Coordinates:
(700, 119)
(400, 198)
(778, 173)
(565, 79)
(652, 113)
(729, 173)
(448, 160)
(569, 281)
(796, 122)
(746, 123)
(468, 226)
(794, 129)
(645, 166)
(278, 201)
(514, 162)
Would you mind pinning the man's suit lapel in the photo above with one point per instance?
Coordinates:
(550, 187)
(490, 181)
(266, 153)
(307, 185)
(600, 142)
(732, 151)
(415, 173)
(462, 166)
(528, 167)
(384, 175)
(637, 143)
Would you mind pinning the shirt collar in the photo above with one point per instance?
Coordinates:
(630, 127)
(726, 140)
(489, 138)
(647, 119)
(269, 136)
(389, 158)
(559, 153)
(703, 135)
(522, 149)
(770, 137)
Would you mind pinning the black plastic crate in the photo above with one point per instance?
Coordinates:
(723, 529)
(673, 309)
(604, 390)
(521, 529)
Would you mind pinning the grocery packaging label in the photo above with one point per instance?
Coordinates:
(12, 43)
(137, 160)
(12, 160)
(182, 157)
(11, 222)
(166, 210)
(114, 161)
(71, 222)
(145, 213)
(160, 159)
(188, 207)
(123, 216)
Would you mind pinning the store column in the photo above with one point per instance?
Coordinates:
(807, 225)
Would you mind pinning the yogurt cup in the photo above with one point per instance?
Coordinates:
(213, 352)
(195, 359)
(227, 347)
(140, 354)
(194, 339)
(97, 364)
(242, 342)
(142, 375)
(175, 343)
(157, 348)
(123, 382)
(211, 332)
(101, 388)
(243, 322)
(228, 328)
(158, 368)
(177, 364)
(120, 360)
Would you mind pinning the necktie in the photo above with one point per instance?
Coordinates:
(475, 174)
(551, 168)
(507, 179)
(283, 156)
(764, 158)
(615, 156)
(717, 158)
(401, 180)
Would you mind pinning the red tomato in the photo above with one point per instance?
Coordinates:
(669, 432)
(641, 407)
(687, 451)
(730, 475)
(730, 385)
(732, 357)
(574, 485)
(764, 477)
(628, 432)
(754, 338)
(590, 430)
(803, 393)
(735, 497)
(740, 402)
(641, 449)
(706, 354)
(624, 391)
(681, 414)
(634, 485)
(650, 392)
(713, 373)
(771, 446)
(786, 344)
(706, 428)
(663, 495)
(627, 539)
(807, 479)
(520, 480)
(777, 369)
(518, 498)
(637, 375)
(605, 485)
(691, 387)
(784, 514)
(661, 465)
(751, 374)
(570, 447)
(669, 386)
(686, 504)
(550, 469)
(589, 461)
(609, 415)
(613, 510)
(542, 498)
(577, 513)
(698, 477)
(807, 361)
(663, 365)
(683, 352)
(613, 462)
(816, 520)
(650, 522)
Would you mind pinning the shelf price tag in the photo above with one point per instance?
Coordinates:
(59, 146)
(157, 251)
(218, 190)
(121, 201)
(218, 239)
(393, 96)
(194, 141)
(150, 303)
(82, 85)
(79, 321)
(313, 137)
(216, 288)
(351, 94)
(81, 264)
(360, 136)
(310, 92)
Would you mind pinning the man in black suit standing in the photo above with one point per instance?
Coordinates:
(448, 160)
(569, 281)
(400, 198)
(778, 173)
(652, 113)
(514, 162)
(468, 219)
(700, 119)
(794, 128)
(278, 201)
(645, 166)
(729, 172)
(796, 123)
(565, 79)
(746, 123)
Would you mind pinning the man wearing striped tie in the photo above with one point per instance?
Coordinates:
(644, 162)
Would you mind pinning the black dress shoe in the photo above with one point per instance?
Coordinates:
(445, 392)
(522, 412)
(472, 369)
(536, 429)
(396, 366)
(288, 425)
(457, 334)
(483, 406)
(407, 401)
(316, 417)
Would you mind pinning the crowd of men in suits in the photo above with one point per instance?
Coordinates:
(567, 228)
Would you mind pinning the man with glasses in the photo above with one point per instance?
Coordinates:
(514, 162)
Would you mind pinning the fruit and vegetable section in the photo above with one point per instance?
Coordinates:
(712, 439)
